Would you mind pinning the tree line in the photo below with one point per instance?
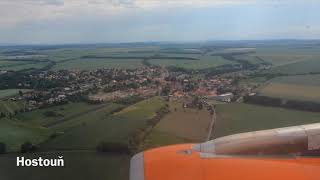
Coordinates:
(284, 103)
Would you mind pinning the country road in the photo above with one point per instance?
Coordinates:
(211, 126)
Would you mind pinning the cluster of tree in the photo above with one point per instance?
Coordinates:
(269, 76)
(177, 69)
(12, 79)
(121, 86)
(175, 58)
(10, 115)
(284, 103)
(165, 90)
(111, 57)
(113, 147)
(160, 113)
(262, 100)
(190, 86)
(146, 62)
(242, 64)
(52, 114)
(226, 68)
(80, 97)
(196, 103)
(45, 84)
(2, 115)
(136, 139)
(129, 100)
(3, 148)
(28, 147)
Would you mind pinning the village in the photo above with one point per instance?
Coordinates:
(49, 88)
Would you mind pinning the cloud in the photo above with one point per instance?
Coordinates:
(13, 12)
(135, 20)
(40, 2)
(173, 3)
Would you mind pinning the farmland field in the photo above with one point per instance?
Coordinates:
(309, 66)
(17, 66)
(11, 92)
(238, 118)
(286, 54)
(180, 125)
(203, 62)
(91, 64)
(14, 133)
(8, 63)
(75, 129)
(10, 107)
(115, 128)
(304, 87)
(290, 59)
(39, 117)
(71, 53)
(28, 126)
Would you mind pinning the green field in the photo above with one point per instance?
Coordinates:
(11, 92)
(81, 120)
(20, 66)
(204, 62)
(75, 53)
(115, 128)
(78, 143)
(92, 64)
(238, 118)
(78, 166)
(8, 63)
(290, 59)
(74, 130)
(127, 58)
(28, 126)
(286, 54)
(14, 133)
(308, 66)
(181, 125)
(303, 87)
(39, 117)
(10, 107)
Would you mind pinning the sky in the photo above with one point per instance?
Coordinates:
(113, 21)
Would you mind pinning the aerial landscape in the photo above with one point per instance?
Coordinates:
(99, 102)
(114, 110)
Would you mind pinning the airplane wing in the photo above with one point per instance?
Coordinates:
(285, 153)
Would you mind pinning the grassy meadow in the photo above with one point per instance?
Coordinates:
(68, 111)
(115, 128)
(10, 107)
(14, 133)
(303, 87)
(181, 125)
(238, 118)
(92, 64)
(304, 67)
(11, 92)
(80, 127)
(204, 62)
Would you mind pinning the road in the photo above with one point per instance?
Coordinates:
(211, 126)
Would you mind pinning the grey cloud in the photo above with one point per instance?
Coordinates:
(45, 2)
(120, 3)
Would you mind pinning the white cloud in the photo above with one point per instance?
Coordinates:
(135, 20)
(13, 12)
(44, 2)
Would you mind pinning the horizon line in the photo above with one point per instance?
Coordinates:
(155, 42)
